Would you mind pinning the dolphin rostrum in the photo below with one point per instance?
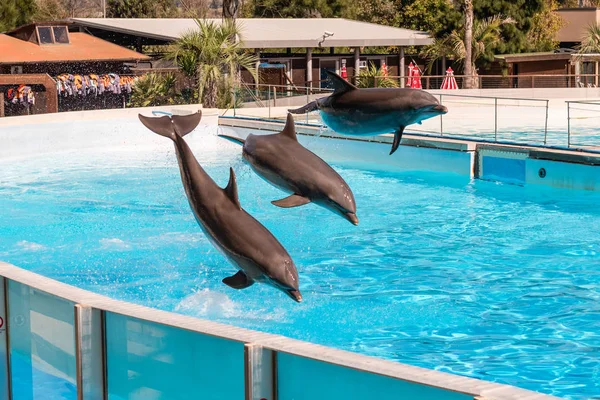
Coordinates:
(374, 111)
(245, 242)
(289, 166)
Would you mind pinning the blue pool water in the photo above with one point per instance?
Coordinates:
(480, 279)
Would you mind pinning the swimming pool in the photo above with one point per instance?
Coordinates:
(481, 279)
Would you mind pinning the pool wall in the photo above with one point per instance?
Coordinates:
(94, 347)
(522, 165)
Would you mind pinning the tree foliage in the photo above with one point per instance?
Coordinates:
(155, 89)
(487, 35)
(140, 8)
(209, 55)
(14, 13)
(300, 8)
(545, 26)
(374, 77)
(591, 41)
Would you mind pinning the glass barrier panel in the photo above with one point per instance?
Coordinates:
(42, 344)
(150, 361)
(305, 379)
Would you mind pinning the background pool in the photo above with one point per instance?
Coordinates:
(492, 281)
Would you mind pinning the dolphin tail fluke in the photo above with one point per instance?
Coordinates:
(312, 106)
(185, 124)
(233, 139)
(397, 139)
(169, 126)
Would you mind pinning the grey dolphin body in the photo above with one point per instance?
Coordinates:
(367, 112)
(245, 242)
(286, 164)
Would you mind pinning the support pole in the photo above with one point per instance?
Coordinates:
(309, 71)
(356, 63)
(402, 67)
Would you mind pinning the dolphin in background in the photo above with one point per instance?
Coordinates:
(374, 111)
(245, 242)
(291, 167)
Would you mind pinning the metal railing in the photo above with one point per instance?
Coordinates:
(48, 314)
(590, 135)
(497, 101)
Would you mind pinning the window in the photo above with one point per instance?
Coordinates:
(53, 35)
(45, 35)
(60, 34)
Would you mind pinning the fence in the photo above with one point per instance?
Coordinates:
(55, 338)
(582, 124)
(497, 119)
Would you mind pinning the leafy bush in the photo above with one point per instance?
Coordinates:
(156, 90)
(367, 78)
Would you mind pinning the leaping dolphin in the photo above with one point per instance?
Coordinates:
(289, 166)
(367, 112)
(245, 242)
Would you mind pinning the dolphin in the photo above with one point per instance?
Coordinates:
(291, 167)
(367, 112)
(245, 242)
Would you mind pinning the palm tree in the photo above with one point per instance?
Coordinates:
(230, 9)
(468, 42)
(210, 57)
(591, 41)
(486, 35)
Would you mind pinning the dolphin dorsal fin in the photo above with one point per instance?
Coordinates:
(231, 189)
(340, 85)
(289, 129)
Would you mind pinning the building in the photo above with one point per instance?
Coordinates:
(306, 46)
(32, 56)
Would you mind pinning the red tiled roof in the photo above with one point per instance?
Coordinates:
(83, 47)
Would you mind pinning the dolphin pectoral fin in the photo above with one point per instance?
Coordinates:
(238, 281)
(291, 201)
(397, 138)
(233, 139)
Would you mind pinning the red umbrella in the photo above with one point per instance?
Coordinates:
(411, 68)
(449, 82)
(416, 81)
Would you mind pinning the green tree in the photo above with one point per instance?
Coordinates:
(48, 10)
(300, 8)
(545, 25)
(591, 41)
(14, 13)
(140, 8)
(521, 12)
(438, 17)
(487, 34)
(208, 55)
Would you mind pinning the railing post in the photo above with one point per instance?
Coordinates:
(5, 370)
(234, 98)
(269, 100)
(274, 96)
(441, 120)
(546, 123)
(260, 373)
(495, 119)
(89, 353)
(568, 124)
